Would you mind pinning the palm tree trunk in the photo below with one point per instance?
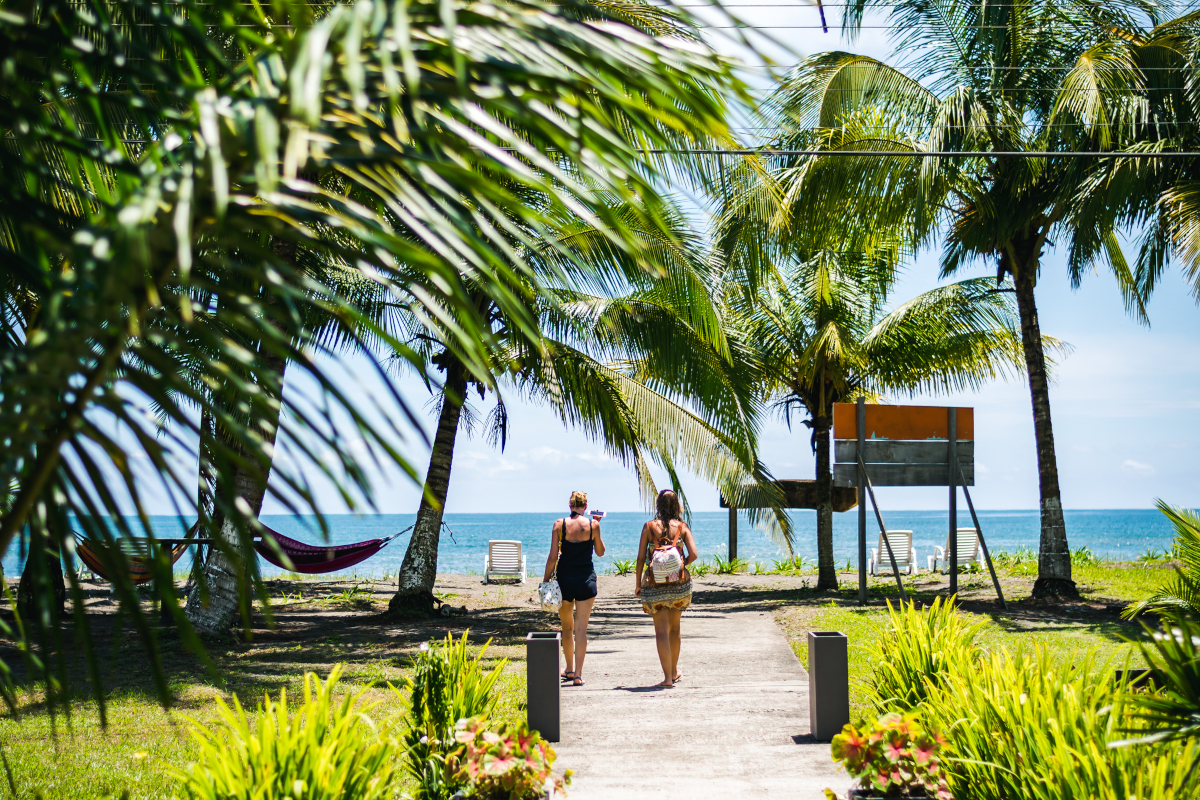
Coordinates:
(1054, 556)
(226, 577)
(826, 571)
(414, 593)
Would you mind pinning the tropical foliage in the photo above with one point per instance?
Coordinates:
(325, 749)
(819, 332)
(237, 150)
(1180, 593)
(976, 85)
(1022, 725)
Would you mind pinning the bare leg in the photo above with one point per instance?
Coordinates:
(566, 613)
(673, 616)
(662, 639)
(583, 612)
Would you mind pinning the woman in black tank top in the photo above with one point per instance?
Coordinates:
(572, 542)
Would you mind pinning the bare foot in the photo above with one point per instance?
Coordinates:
(666, 685)
(679, 677)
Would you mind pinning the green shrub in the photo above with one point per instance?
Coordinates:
(917, 650)
(1022, 561)
(321, 751)
(797, 564)
(729, 566)
(699, 569)
(1021, 725)
(446, 685)
(892, 757)
(623, 566)
(1084, 557)
(506, 762)
(1181, 591)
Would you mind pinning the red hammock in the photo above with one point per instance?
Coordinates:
(315, 559)
(136, 566)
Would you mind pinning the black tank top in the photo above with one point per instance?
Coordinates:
(575, 558)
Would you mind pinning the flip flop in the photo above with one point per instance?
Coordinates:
(568, 675)
(578, 681)
(678, 677)
(665, 685)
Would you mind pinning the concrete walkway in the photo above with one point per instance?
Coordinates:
(736, 725)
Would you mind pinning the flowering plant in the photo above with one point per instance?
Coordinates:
(508, 762)
(894, 757)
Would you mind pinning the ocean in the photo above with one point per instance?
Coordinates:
(1116, 534)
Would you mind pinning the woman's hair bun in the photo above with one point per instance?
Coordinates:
(578, 499)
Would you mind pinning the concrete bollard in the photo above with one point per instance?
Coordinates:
(542, 679)
(828, 684)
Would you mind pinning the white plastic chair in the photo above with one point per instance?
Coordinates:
(969, 550)
(504, 559)
(906, 554)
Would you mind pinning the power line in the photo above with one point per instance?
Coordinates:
(928, 154)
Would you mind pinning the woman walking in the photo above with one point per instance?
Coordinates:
(572, 542)
(667, 588)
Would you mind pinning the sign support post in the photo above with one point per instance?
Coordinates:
(732, 532)
(861, 413)
(953, 437)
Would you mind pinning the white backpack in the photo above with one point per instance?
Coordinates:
(666, 562)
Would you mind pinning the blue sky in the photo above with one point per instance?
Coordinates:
(1124, 403)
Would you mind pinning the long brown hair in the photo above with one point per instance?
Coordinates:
(668, 507)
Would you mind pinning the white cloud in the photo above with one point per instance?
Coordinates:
(1132, 467)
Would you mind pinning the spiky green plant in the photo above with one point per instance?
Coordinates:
(970, 78)
(447, 685)
(323, 749)
(1181, 591)
(917, 650)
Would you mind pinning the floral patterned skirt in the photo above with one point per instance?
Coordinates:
(656, 597)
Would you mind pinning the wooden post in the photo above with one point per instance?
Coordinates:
(861, 413)
(732, 531)
(983, 543)
(953, 481)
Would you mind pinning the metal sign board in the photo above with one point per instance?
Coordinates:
(902, 422)
(904, 445)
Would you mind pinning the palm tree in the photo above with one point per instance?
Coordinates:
(1136, 92)
(980, 78)
(122, 250)
(633, 351)
(821, 333)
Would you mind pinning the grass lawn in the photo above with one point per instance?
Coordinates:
(323, 623)
(320, 625)
(1072, 631)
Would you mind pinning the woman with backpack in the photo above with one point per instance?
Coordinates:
(572, 542)
(666, 587)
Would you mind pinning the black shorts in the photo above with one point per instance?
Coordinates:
(577, 588)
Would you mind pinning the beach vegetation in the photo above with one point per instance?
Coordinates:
(698, 569)
(895, 756)
(623, 566)
(447, 684)
(1020, 77)
(1020, 723)
(821, 332)
(505, 762)
(723, 565)
(325, 748)
(186, 239)
(1179, 592)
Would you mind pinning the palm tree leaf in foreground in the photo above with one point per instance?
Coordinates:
(432, 137)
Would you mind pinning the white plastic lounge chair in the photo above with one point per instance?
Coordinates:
(906, 555)
(504, 559)
(968, 551)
